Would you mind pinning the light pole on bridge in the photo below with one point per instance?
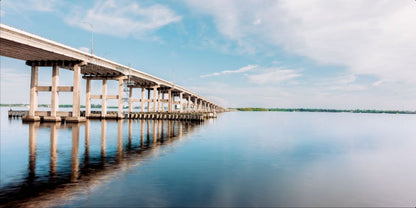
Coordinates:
(92, 37)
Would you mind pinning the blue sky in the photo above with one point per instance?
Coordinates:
(315, 53)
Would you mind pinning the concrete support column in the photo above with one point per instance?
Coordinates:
(54, 96)
(76, 97)
(180, 102)
(33, 96)
(188, 105)
(54, 91)
(130, 99)
(142, 101)
(170, 103)
(148, 100)
(88, 98)
(120, 98)
(154, 99)
(196, 105)
(76, 94)
(160, 97)
(104, 99)
(164, 102)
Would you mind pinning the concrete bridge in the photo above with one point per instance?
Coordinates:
(157, 95)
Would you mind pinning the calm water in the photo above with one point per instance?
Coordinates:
(239, 159)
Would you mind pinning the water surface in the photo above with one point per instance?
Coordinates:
(238, 159)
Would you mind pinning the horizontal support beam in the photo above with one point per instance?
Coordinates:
(104, 77)
(147, 100)
(101, 97)
(65, 88)
(112, 96)
(96, 96)
(44, 88)
(60, 88)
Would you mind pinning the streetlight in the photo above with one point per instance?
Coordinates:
(92, 36)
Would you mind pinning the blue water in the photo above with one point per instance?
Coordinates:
(239, 159)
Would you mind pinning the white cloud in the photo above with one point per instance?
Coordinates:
(273, 75)
(122, 18)
(32, 5)
(378, 83)
(240, 70)
(366, 37)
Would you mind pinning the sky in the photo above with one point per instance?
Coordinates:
(340, 54)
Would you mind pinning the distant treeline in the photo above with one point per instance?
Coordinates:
(13, 105)
(324, 110)
(39, 105)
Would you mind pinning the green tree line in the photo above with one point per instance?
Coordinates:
(324, 110)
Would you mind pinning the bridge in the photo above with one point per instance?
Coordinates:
(157, 95)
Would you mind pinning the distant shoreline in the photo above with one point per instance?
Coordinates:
(249, 109)
(323, 110)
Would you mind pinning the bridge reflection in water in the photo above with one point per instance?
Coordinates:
(87, 163)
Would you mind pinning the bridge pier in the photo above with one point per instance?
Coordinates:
(54, 115)
(104, 97)
(170, 101)
(155, 98)
(76, 97)
(88, 98)
(148, 99)
(130, 99)
(33, 96)
(188, 104)
(180, 102)
(120, 98)
(142, 101)
(54, 97)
